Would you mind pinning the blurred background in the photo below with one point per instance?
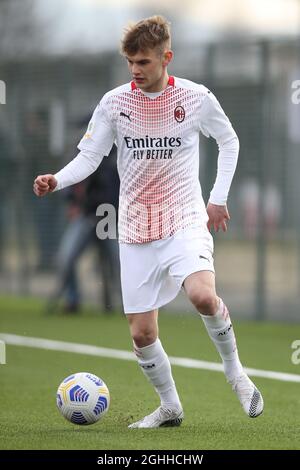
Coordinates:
(58, 58)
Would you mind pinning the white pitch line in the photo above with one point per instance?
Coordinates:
(54, 345)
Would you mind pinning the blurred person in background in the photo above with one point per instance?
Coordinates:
(83, 199)
(7, 168)
(272, 209)
(45, 214)
(165, 243)
(251, 198)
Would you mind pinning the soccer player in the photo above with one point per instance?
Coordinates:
(165, 242)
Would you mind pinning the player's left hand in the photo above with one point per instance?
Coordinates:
(217, 217)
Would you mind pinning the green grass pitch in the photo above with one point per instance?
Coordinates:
(214, 418)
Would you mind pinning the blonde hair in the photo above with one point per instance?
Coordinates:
(150, 33)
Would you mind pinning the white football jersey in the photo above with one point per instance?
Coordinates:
(157, 136)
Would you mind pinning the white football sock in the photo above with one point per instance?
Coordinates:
(155, 364)
(220, 330)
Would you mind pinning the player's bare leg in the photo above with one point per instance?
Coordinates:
(200, 289)
(156, 366)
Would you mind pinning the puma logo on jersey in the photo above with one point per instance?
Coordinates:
(126, 115)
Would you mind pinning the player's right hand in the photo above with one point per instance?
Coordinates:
(44, 184)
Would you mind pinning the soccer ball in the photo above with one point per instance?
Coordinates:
(83, 398)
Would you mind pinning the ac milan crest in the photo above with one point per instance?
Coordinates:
(179, 113)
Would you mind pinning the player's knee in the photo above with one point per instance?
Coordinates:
(205, 301)
(143, 337)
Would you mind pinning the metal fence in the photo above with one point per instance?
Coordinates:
(47, 106)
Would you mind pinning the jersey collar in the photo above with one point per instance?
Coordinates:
(171, 82)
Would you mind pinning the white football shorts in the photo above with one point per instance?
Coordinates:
(152, 273)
